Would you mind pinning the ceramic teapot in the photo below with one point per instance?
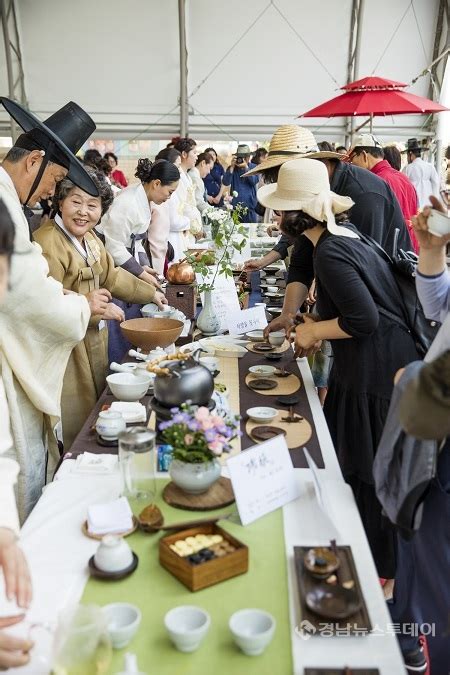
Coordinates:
(187, 380)
(181, 273)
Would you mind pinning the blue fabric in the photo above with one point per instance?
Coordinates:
(246, 189)
(422, 590)
(213, 181)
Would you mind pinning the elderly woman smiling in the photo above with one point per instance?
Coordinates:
(78, 259)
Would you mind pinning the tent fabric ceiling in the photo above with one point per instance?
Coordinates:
(120, 61)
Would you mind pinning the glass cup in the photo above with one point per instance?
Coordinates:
(137, 467)
(82, 645)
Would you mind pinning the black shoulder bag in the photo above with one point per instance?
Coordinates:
(403, 266)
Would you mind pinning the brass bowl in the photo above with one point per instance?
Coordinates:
(151, 333)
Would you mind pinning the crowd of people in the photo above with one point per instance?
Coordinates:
(102, 250)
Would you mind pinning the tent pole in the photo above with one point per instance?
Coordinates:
(354, 51)
(371, 122)
(184, 111)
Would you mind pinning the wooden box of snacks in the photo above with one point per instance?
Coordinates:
(203, 556)
(182, 297)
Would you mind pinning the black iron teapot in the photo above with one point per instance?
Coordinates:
(187, 381)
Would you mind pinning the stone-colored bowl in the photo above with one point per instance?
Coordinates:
(151, 333)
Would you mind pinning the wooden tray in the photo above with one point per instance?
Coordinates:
(219, 495)
(357, 624)
(196, 577)
(284, 385)
(341, 671)
(297, 433)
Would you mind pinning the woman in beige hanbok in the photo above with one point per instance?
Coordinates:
(77, 258)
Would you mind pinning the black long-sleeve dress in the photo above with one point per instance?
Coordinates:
(352, 281)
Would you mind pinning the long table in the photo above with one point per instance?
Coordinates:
(58, 553)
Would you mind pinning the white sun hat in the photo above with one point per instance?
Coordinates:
(304, 186)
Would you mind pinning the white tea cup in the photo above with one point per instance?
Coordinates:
(252, 630)
(187, 626)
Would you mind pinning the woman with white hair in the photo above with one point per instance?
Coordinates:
(354, 287)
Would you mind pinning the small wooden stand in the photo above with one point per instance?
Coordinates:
(219, 495)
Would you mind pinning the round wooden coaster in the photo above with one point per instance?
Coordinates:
(297, 433)
(276, 350)
(283, 385)
(220, 494)
(99, 537)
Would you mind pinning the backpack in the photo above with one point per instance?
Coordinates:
(404, 466)
(403, 266)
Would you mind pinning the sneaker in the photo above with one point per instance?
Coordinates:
(415, 661)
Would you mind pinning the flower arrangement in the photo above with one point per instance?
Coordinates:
(198, 435)
(228, 235)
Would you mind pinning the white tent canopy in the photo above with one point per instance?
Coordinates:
(251, 66)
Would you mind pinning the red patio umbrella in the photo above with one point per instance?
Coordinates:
(374, 96)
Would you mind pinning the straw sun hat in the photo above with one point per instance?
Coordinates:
(291, 142)
(305, 186)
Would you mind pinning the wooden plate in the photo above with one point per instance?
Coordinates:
(94, 571)
(333, 602)
(261, 383)
(264, 433)
(99, 537)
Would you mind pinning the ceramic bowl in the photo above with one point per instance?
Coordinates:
(152, 310)
(209, 362)
(262, 371)
(122, 620)
(272, 289)
(187, 626)
(109, 424)
(277, 338)
(255, 335)
(128, 386)
(262, 414)
(276, 311)
(270, 280)
(252, 630)
(113, 554)
(151, 333)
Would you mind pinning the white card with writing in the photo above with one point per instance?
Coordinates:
(224, 296)
(246, 320)
(263, 479)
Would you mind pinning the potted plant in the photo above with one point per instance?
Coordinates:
(198, 437)
(228, 236)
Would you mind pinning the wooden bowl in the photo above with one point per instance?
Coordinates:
(151, 333)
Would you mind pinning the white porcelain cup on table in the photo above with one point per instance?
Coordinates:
(187, 625)
(109, 424)
(252, 630)
(277, 338)
(113, 554)
(123, 621)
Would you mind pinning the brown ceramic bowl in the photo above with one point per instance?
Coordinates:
(151, 333)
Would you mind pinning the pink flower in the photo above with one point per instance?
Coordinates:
(216, 448)
(217, 421)
(188, 439)
(202, 413)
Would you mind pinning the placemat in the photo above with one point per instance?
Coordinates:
(250, 399)
(297, 433)
(154, 590)
(285, 385)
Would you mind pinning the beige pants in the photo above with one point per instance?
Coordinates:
(34, 445)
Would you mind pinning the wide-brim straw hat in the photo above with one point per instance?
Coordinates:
(292, 142)
(304, 186)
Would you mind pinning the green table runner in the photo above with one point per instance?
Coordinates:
(154, 590)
